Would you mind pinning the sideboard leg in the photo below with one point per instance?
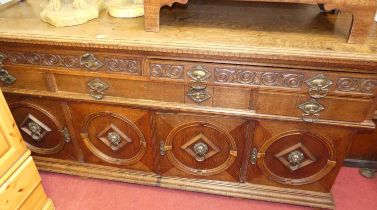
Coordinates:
(152, 16)
(361, 24)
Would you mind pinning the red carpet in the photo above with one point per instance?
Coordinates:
(351, 192)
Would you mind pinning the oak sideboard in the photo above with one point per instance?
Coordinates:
(225, 99)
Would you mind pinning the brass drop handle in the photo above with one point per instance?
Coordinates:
(200, 150)
(319, 86)
(89, 61)
(199, 74)
(97, 88)
(114, 139)
(311, 110)
(198, 92)
(295, 158)
(5, 77)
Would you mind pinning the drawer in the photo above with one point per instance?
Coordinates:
(114, 135)
(238, 98)
(23, 78)
(42, 126)
(102, 87)
(201, 146)
(297, 155)
(329, 108)
(261, 77)
(310, 95)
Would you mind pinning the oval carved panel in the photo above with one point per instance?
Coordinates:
(41, 131)
(297, 157)
(201, 148)
(113, 138)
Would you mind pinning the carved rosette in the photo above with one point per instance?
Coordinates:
(277, 79)
(297, 157)
(41, 131)
(113, 138)
(357, 85)
(202, 154)
(122, 65)
(166, 71)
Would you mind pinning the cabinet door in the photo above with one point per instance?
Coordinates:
(201, 146)
(42, 126)
(114, 135)
(297, 155)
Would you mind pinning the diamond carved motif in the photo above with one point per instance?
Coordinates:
(113, 137)
(296, 157)
(200, 148)
(34, 127)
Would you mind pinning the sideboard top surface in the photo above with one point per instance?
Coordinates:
(225, 29)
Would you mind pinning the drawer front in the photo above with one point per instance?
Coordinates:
(310, 95)
(329, 108)
(112, 135)
(201, 146)
(42, 126)
(297, 155)
(22, 78)
(98, 88)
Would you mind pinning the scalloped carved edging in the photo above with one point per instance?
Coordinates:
(58, 125)
(85, 137)
(356, 85)
(201, 172)
(239, 190)
(277, 79)
(331, 162)
(120, 65)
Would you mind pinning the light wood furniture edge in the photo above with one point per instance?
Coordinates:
(13, 189)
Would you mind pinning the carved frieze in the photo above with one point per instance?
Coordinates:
(358, 85)
(129, 66)
(166, 71)
(278, 79)
(44, 59)
(122, 65)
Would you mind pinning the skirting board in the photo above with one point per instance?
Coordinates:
(239, 190)
(360, 163)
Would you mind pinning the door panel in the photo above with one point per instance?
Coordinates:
(201, 146)
(42, 126)
(120, 137)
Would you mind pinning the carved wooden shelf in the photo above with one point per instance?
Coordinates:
(363, 12)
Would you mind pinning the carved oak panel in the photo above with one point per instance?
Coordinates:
(112, 135)
(42, 126)
(297, 155)
(205, 147)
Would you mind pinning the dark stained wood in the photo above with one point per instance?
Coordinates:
(326, 145)
(49, 113)
(363, 150)
(252, 71)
